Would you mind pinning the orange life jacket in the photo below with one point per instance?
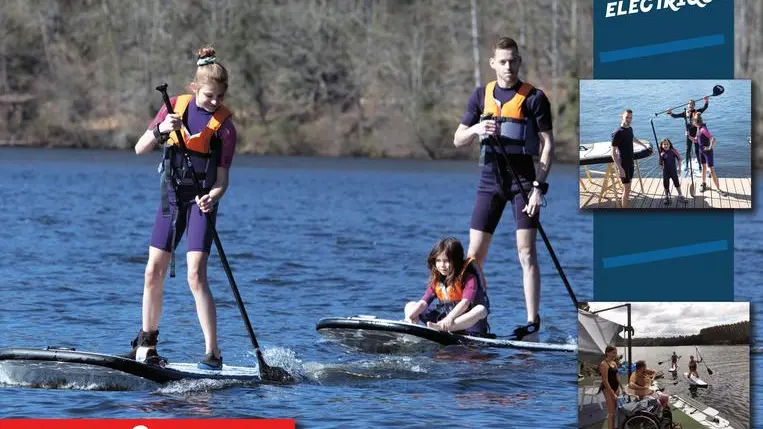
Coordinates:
(199, 142)
(455, 292)
(517, 134)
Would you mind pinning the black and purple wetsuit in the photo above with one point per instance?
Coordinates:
(491, 199)
(704, 138)
(670, 161)
(691, 132)
(182, 204)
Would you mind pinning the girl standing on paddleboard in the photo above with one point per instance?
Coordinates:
(210, 140)
(459, 286)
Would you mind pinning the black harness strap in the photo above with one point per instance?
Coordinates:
(175, 176)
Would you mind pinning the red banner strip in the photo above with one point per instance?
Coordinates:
(147, 423)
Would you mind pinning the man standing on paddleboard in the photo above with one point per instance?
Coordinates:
(622, 153)
(516, 117)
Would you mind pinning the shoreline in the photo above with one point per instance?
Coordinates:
(560, 157)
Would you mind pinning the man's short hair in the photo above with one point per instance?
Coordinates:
(505, 43)
(640, 364)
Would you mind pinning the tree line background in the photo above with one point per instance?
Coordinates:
(731, 334)
(377, 78)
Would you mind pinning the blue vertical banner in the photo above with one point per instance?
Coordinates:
(659, 255)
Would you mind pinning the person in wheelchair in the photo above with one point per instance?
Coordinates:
(643, 407)
(640, 384)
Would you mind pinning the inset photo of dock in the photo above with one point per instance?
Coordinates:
(665, 144)
(664, 365)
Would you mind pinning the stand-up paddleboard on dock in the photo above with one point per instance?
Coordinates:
(704, 415)
(695, 381)
(601, 152)
(371, 334)
(67, 358)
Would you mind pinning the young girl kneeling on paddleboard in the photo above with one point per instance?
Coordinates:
(460, 288)
(210, 140)
(671, 169)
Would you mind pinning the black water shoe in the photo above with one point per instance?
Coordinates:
(211, 362)
(527, 330)
(144, 349)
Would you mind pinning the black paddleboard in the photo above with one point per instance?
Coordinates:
(373, 334)
(159, 374)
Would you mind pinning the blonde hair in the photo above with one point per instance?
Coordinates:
(208, 69)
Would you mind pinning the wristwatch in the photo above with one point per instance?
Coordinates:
(542, 186)
(160, 136)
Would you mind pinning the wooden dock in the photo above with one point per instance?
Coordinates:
(648, 193)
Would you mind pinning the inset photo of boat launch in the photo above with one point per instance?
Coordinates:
(664, 365)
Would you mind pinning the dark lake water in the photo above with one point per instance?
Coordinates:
(306, 238)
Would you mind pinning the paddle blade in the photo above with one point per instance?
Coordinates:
(709, 371)
(717, 90)
(272, 374)
(691, 190)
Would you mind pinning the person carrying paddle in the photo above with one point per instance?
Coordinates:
(622, 153)
(706, 142)
(674, 360)
(511, 120)
(210, 139)
(460, 289)
(671, 169)
(691, 129)
(693, 367)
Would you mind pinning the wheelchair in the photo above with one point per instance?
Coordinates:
(646, 413)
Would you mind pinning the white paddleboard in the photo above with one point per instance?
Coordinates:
(601, 152)
(695, 381)
(701, 413)
(228, 371)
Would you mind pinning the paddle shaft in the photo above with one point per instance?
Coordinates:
(709, 371)
(715, 93)
(691, 150)
(671, 358)
(493, 141)
(218, 245)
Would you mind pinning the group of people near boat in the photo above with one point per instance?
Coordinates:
(698, 136)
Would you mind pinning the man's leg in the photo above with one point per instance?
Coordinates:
(528, 258)
(627, 185)
(479, 242)
(626, 194)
